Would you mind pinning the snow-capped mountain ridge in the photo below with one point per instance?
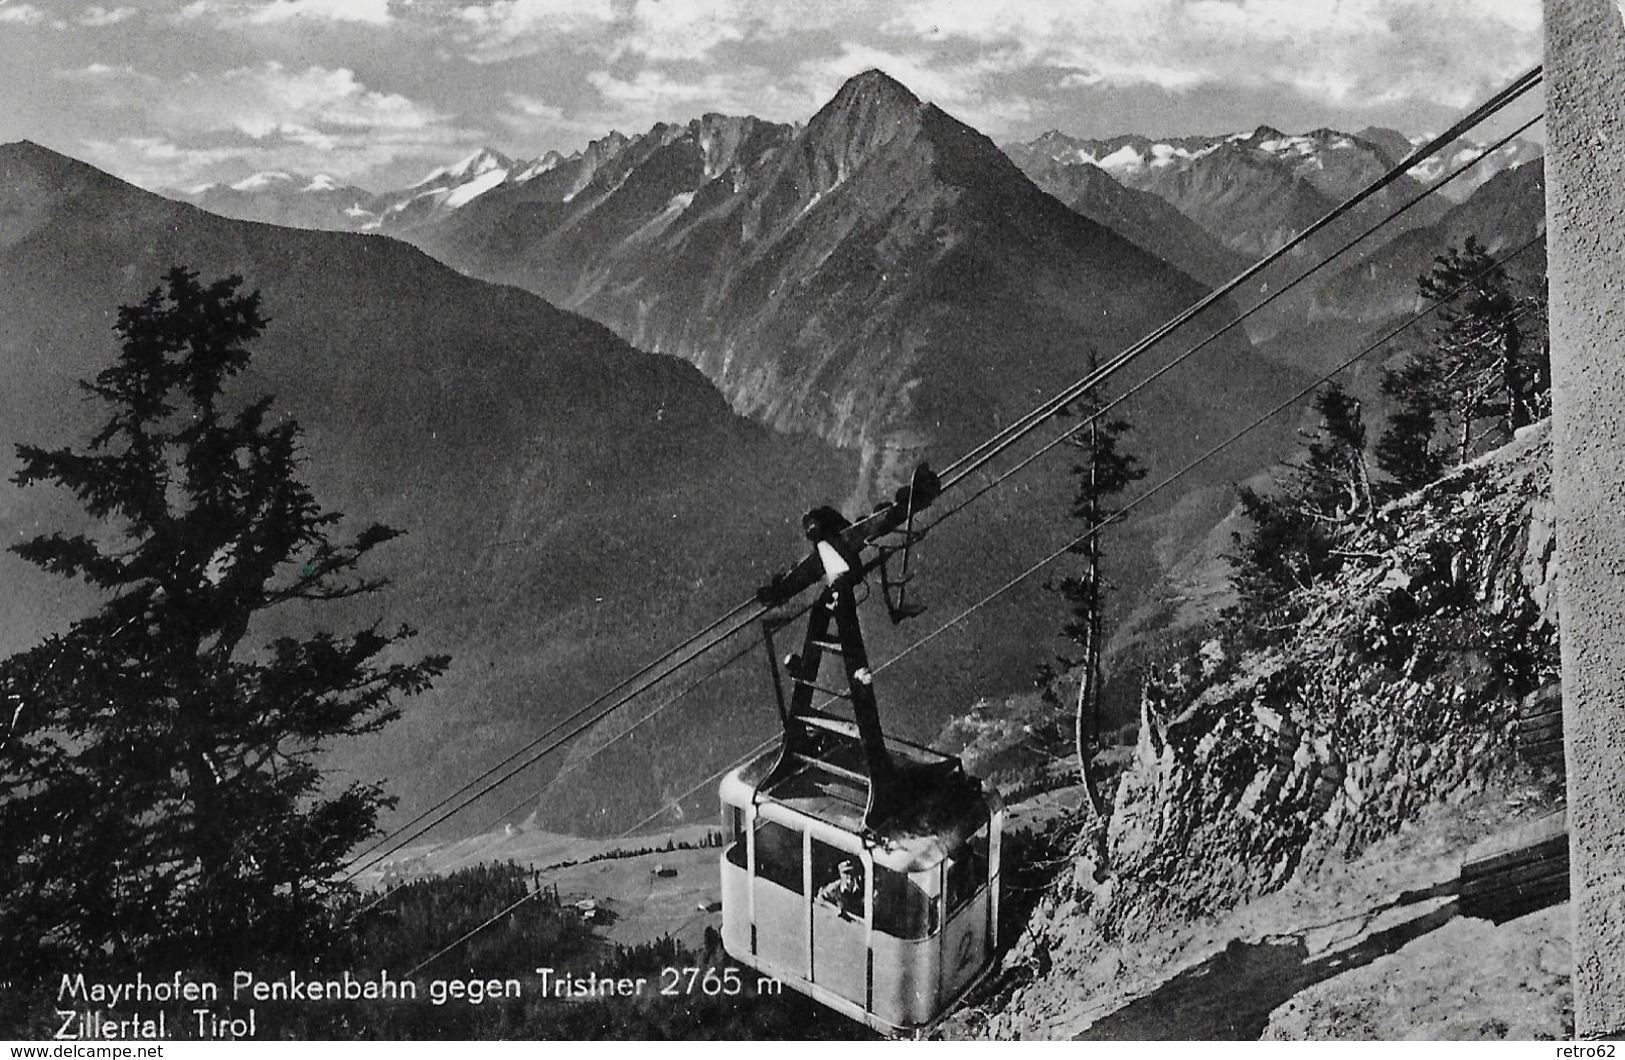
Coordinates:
(476, 165)
(1255, 190)
(1129, 154)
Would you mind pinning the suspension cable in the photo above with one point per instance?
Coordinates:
(1092, 531)
(1096, 414)
(1161, 485)
(964, 466)
(573, 766)
(1190, 466)
(401, 837)
(747, 756)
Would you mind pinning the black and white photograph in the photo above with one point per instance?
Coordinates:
(818, 520)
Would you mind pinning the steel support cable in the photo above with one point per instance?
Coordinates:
(985, 451)
(1169, 480)
(1387, 337)
(1142, 498)
(735, 763)
(652, 664)
(398, 838)
(470, 934)
(710, 675)
(1003, 439)
(1187, 354)
(571, 767)
(1025, 424)
(747, 756)
(1193, 350)
(581, 763)
(1164, 483)
(731, 660)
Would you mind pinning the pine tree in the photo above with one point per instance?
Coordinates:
(1484, 374)
(1334, 480)
(161, 798)
(1102, 471)
(1295, 529)
(1407, 452)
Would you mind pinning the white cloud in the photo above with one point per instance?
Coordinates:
(970, 91)
(684, 29)
(661, 31)
(21, 14)
(506, 29)
(271, 12)
(532, 119)
(792, 93)
(157, 162)
(104, 74)
(263, 100)
(97, 16)
(531, 107)
(654, 95)
(264, 117)
(1346, 52)
(654, 87)
(375, 12)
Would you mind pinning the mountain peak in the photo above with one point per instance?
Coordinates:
(484, 160)
(874, 89)
(1054, 136)
(1393, 143)
(869, 111)
(34, 153)
(25, 160)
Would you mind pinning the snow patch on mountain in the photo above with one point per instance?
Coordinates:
(1124, 158)
(550, 161)
(467, 192)
(260, 181)
(477, 164)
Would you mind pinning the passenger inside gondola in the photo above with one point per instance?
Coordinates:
(845, 891)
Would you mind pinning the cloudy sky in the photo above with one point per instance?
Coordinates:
(177, 92)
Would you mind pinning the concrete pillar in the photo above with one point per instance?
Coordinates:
(1585, 206)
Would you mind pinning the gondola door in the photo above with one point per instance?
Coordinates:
(840, 922)
(779, 897)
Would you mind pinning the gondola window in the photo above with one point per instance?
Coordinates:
(778, 854)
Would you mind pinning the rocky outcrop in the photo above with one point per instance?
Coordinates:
(1399, 689)
(1396, 695)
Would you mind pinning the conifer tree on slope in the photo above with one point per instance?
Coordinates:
(160, 795)
(1485, 373)
(1295, 529)
(1102, 470)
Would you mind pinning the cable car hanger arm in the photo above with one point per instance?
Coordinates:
(825, 526)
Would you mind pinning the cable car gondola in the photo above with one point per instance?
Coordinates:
(859, 869)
